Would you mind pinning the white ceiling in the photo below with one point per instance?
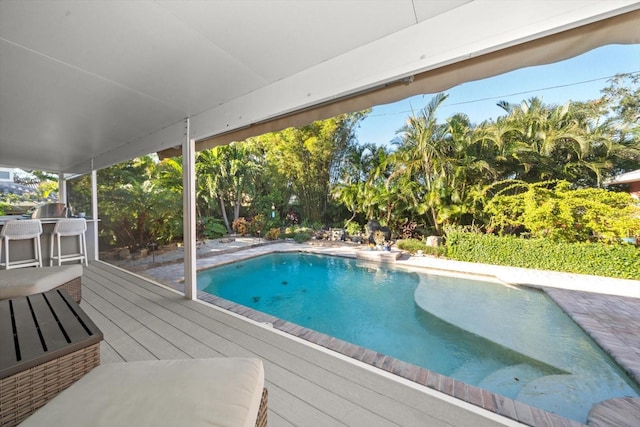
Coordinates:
(87, 83)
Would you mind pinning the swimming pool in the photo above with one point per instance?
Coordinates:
(511, 341)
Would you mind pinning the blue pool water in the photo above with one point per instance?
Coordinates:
(511, 341)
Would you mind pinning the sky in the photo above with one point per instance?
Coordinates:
(577, 79)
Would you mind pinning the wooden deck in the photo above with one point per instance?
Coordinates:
(308, 386)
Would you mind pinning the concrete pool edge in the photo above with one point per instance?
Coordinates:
(531, 278)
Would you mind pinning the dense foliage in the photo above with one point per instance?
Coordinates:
(615, 260)
(418, 246)
(135, 204)
(556, 211)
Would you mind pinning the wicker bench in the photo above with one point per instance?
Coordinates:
(31, 281)
(193, 392)
(47, 343)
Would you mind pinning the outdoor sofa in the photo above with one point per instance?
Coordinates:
(195, 392)
(30, 281)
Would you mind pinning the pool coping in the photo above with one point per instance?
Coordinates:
(627, 356)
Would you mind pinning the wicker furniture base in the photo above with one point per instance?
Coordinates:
(261, 420)
(73, 288)
(23, 393)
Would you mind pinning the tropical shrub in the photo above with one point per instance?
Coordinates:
(353, 228)
(298, 234)
(414, 245)
(553, 210)
(213, 228)
(257, 224)
(613, 260)
(302, 237)
(272, 234)
(240, 226)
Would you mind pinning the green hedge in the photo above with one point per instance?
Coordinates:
(414, 245)
(622, 261)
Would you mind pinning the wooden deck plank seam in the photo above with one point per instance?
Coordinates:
(105, 346)
(127, 320)
(147, 318)
(117, 335)
(123, 315)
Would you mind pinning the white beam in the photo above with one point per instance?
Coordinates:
(93, 226)
(189, 213)
(62, 188)
(94, 211)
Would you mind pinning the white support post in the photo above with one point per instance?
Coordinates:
(189, 213)
(92, 226)
(62, 188)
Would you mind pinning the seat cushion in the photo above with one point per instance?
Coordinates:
(29, 281)
(198, 392)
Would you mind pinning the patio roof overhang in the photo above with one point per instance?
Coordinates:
(84, 85)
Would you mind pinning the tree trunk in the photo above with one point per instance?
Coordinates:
(434, 216)
(236, 208)
(225, 218)
(350, 219)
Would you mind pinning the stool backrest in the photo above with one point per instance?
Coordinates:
(15, 229)
(70, 226)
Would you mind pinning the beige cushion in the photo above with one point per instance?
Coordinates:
(29, 281)
(198, 392)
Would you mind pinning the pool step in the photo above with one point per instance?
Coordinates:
(472, 372)
(510, 380)
(579, 394)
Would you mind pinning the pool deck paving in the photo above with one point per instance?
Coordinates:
(608, 309)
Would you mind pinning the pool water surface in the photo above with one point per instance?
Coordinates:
(511, 341)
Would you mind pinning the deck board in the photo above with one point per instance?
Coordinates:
(307, 385)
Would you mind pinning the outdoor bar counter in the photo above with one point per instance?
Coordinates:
(23, 249)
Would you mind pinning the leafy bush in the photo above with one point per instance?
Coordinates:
(272, 234)
(240, 226)
(298, 233)
(213, 228)
(257, 224)
(353, 228)
(298, 229)
(553, 210)
(611, 260)
(414, 245)
(302, 237)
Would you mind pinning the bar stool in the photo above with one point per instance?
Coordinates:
(69, 227)
(21, 230)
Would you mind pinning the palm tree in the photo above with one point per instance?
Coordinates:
(211, 170)
(448, 161)
(421, 155)
(351, 196)
(243, 168)
(567, 143)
